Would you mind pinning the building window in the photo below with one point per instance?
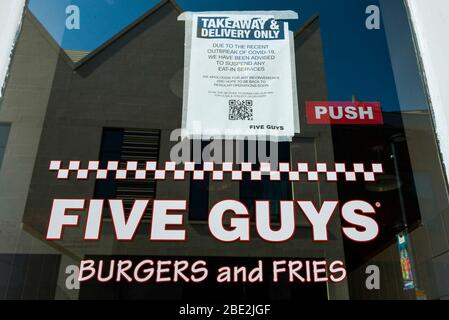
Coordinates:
(252, 190)
(4, 133)
(124, 145)
(199, 193)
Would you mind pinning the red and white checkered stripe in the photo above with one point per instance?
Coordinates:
(301, 172)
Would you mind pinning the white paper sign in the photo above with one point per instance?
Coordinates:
(239, 77)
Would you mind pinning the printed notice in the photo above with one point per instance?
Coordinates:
(239, 79)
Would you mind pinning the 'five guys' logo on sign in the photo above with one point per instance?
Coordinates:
(328, 112)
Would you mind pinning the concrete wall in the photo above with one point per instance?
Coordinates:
(24, 107)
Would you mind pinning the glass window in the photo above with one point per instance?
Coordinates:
(4, 132)
(105, 82)
(199, 191)
(123, 145)
(265, 189)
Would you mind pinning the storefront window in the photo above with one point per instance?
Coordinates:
(100, 97)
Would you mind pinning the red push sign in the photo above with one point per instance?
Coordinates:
(330, 112)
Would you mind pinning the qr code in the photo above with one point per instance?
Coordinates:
(240, 109)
